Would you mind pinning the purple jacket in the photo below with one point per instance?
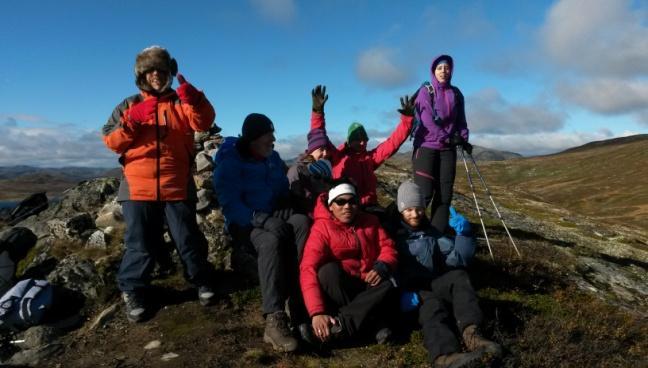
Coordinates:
(450, 112)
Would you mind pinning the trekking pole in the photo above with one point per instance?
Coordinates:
(472, 188)
(493, 202)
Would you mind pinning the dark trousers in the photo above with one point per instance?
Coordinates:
(434, 173)
(450, 295)
(144, 227)
(359, 305)
(277, 264)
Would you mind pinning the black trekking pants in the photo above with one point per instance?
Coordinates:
(449, 306)
(278, 265)
(144, 227)
(359, 306)
(434, 173)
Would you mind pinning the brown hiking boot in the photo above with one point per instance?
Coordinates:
(458, 360)
(277, 332)
(476, 342)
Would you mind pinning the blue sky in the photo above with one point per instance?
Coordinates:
(538, 76)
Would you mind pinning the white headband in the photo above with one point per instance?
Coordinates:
(339, 190)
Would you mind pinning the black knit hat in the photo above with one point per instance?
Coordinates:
(256, 125)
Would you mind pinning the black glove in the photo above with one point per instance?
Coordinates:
(382, 269)
(407, 105)
(457, 140)
(319, 98)
(271, 224)
(283, 213)
(467, 147)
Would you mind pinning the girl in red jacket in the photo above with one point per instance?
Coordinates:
(346, 268)
(352, 159)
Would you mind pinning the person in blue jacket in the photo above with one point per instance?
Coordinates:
(252, 188)
(432, 273)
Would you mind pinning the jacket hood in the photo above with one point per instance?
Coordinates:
(435, 62)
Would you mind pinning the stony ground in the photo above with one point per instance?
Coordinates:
(576, 298)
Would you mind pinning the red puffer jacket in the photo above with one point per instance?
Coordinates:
(360, 166)
(356, 246)
(157, 155)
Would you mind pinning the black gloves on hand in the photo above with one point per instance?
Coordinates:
(272, 224)
(457, 140)
(382, 269)
(319, 98)
(467, 147)
(407, 105)
(283, 213)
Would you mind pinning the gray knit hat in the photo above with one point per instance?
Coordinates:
(409, 195)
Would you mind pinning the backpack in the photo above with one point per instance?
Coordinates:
(458, 98)
(14, 246)
(25, 304)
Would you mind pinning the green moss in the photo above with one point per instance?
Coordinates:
(25, 262)
(539, 303)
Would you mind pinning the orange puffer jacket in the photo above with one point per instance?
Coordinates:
(157, 155)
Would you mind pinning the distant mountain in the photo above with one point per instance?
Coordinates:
(608, 142)
(17, 182)
(605, 180)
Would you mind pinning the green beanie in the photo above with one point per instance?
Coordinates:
(357, 132)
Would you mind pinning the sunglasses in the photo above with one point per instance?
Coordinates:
(342, 202)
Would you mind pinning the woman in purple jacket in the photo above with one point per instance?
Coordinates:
(441, 128)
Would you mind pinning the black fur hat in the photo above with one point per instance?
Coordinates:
(154, 57)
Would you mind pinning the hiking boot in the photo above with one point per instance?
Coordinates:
(306, 333)
(337, 330)
(277, 332)
(476, 342)
(135, 308)
(384, 336)
(458, 360)
(206, 295)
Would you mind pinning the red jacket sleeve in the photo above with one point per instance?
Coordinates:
(201, 117)
(315, 255)
(387, 148)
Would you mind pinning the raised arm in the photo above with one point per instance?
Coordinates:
(387, 148)
(195, 105)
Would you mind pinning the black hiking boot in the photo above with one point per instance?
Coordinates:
(135, 307)
(206, 295)
(384, 336)
(278, 334)
(474, 341)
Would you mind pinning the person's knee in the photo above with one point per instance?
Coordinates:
(266, 243)
(329, 273)
(299, 222)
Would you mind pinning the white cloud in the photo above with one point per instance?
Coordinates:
(53, 147)
(540, 143)
(488, 113)
(380, 67)
(280, 11)
(597, 37)
(608, 96)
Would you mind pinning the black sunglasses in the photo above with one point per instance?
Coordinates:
(341, 201)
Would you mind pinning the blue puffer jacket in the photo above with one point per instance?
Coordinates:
(245, 184)
(425, 253)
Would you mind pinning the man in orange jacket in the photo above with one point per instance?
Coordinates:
(152, 132)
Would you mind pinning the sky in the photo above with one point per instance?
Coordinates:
(538, 76)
